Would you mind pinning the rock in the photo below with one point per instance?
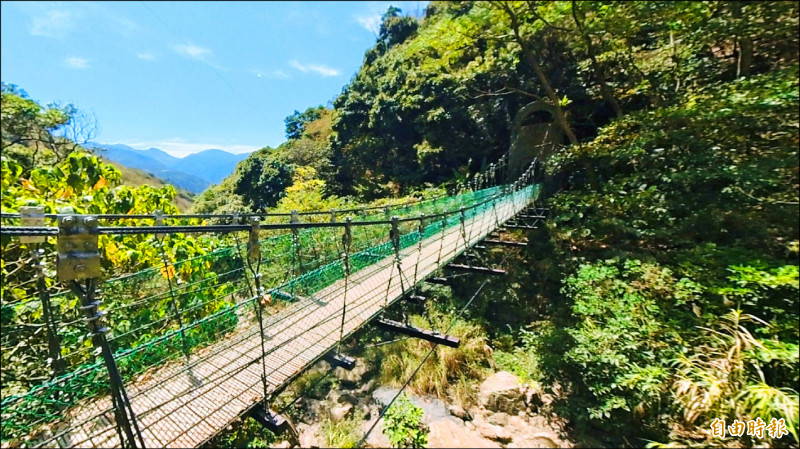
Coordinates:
(307, 435)
(547, 399)
(447, 433)
(501, 392)
(366, 411)
(475, 412)
(433, 409)
(340, 412)
(459, 412)
(353, 377)
(282, 445)
(366, 388)
(313, 411)
(377, 438)
(308, 440)
(498, 419)
(517, 421)
(493, 432)
(347, 398)
(533, 398)
(541, 441)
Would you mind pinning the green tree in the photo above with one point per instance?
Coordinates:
(296, 123)
(48, 134)
(261, 180)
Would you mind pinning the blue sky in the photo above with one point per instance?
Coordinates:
(188, 76)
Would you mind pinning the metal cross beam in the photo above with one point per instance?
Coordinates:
(276, 423)
(486, 270)
(438, 280)
(418, 299)
(514, 226)
(505, 242)
(341, 360)
(433, 337)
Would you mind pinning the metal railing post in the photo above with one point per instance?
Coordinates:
(79, 259)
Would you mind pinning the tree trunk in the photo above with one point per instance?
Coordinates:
(605, 90)
(744, 41)
(745, 57)
(551, 94)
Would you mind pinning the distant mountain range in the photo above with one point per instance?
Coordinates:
(194, 172)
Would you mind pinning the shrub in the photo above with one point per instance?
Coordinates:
(403, 424)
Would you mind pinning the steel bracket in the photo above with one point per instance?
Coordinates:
(78, 250)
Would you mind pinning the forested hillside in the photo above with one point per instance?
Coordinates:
(666, 281)
(661, 295)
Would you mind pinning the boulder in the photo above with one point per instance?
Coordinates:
(533, 398)
(493, 432)
(282, 445)
(314, 410)
(366, 411)
(447, 433)
(459, 412)
(307, 435)
(347, 398)
(366, 388)
(353, 377)
(501, 392)
(340, 412)
(542, 441)
(498, 419)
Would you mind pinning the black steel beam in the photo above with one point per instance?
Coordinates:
(530, 216)
(438, 280)
(505, 242)
(486, 270)
(514, 226)
(417, 298)
(433, 337)
(276, 423)
(341, 360)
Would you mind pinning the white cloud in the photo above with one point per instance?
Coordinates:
(371, 22)
(146, 56)
(317, 68)
(274, 74)
(182, 148)
(77, 63)
(54, 23)
(193, 51)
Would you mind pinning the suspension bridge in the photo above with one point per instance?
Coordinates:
(181, 351)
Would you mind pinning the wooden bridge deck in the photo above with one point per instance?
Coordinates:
(184, 403)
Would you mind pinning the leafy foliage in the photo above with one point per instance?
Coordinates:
(403, 424)
(296, 123)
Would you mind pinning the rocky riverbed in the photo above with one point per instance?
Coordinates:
(507, 414)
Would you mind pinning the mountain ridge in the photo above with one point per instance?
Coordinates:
(194, 172)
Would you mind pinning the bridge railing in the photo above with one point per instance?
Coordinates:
(207, 282)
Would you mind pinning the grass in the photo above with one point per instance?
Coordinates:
(449, 373)
(345, 433)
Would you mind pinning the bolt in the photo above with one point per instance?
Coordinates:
(80, 268)
(68, 222)
(88, 245)
(90, 222)
(68, 246)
